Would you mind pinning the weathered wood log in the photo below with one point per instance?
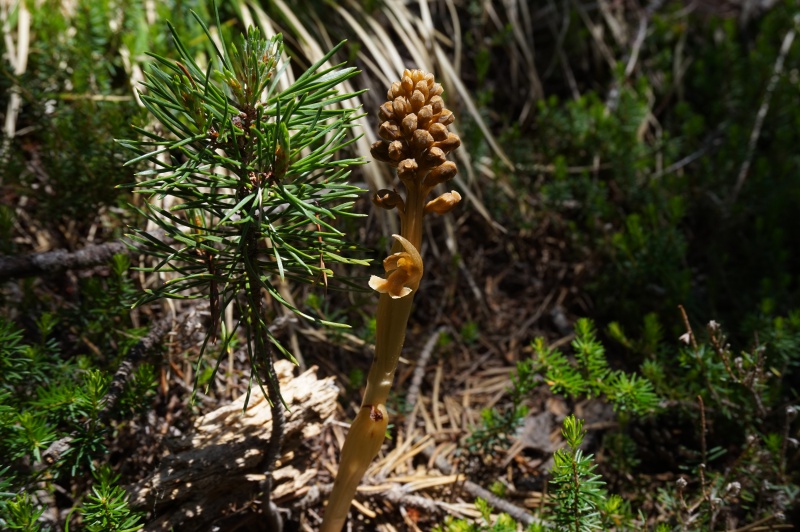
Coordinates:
(216, 468)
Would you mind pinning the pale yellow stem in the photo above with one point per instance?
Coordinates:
(365, 437)
(361, 446)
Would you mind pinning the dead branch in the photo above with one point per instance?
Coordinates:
(135, 355)
(397, 494)
(476, 491)
(51, 262)
(763, 109)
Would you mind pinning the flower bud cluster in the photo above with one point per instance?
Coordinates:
(416, 140)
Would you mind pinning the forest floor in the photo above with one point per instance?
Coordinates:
(474, 318)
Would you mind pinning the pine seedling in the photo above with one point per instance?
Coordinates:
(21, 514)
(591, 376)
(252, 182)
(416, 142)
(578, 490)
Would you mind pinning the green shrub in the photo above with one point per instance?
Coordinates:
(735, 462)
(638, 174)
(51, 391)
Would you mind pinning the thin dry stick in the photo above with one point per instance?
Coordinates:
(777, 70)
(762, 524)
(397, 494)
(641, 33)
(704, 451)
(519, 514)
(691, 339)
(419, 374)
(683, 162)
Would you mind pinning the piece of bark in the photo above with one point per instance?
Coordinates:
(217, 466)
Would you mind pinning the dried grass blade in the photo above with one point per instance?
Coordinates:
(525, 43)
(391, 50)
(415, 47)
(380, 55)
(457, 41)
(446, 65)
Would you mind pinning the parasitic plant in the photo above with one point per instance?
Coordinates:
(416, 141)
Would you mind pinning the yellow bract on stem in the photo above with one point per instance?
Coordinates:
(404, 269)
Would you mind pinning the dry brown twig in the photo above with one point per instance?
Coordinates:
(519, 514)
(51, 262)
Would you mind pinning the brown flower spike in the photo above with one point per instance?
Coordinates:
(416, 142)
(415, 123)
